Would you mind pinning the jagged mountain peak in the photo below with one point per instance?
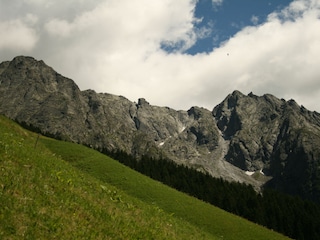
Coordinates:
(27, 64)
(23, 72)
(244, 133)
(236, 94)
(197, 112)
(24, 60)
(232, 99)
(142, 102)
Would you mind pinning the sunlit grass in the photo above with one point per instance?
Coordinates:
(44, 197)
(202, 215)
(62, 190)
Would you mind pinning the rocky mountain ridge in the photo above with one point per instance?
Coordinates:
(253, 139)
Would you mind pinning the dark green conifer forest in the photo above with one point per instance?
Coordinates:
(292, 216)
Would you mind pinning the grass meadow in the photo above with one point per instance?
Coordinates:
(51, 189)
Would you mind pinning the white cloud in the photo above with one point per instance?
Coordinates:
(31, 19)
(115, 46)
(17, 35)
(204, 32)
(279, 56)
(57, 27)
(145, 21)
(217, 2)
(254, 19)
(42, 3)
(120, 43)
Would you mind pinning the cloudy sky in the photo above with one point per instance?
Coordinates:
(176, 53)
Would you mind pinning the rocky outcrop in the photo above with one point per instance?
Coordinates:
(279, 137)
(252, 125)
(245, 138)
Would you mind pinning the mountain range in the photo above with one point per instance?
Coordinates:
(259, 140)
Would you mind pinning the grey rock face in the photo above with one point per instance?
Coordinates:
(252, 125)
(274, 138)
(34, 93)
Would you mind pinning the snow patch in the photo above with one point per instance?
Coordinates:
(249, 173)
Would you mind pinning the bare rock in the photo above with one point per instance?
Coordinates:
(245, 136)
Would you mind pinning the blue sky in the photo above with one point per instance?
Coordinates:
(223, 19)
(176, 53)
(230, 16)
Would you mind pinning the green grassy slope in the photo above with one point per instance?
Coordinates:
(44, 197)
(64, 190)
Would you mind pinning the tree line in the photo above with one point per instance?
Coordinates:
(292, 216)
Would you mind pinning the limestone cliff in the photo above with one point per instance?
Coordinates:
(245, 138)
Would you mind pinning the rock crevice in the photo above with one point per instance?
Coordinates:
(244, 133)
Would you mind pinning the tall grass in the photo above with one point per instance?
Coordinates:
(55, 189)
(204, 216)
(44, 197)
